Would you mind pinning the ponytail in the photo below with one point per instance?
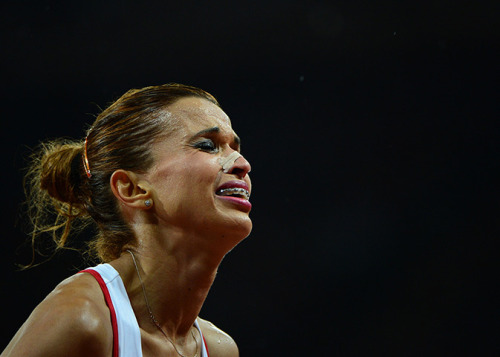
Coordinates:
(54, 189)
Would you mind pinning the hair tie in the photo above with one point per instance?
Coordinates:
(86, 160)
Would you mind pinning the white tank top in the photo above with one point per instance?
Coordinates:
(126, 333)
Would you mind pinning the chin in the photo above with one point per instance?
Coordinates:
(237, 229)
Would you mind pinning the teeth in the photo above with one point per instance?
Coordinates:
(234, 191)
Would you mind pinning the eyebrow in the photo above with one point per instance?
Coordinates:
(215, 130)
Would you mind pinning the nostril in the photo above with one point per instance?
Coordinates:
(239, 172)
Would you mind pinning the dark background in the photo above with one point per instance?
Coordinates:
(372, 129)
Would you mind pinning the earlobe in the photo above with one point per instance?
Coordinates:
(125, 187)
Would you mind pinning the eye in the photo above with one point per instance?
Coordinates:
(206, 145)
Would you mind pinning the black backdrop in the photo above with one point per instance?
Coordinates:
(372, 130)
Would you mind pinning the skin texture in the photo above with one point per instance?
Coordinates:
(181, 240)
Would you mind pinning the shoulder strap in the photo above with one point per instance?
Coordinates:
(206, 347)
(109, 302)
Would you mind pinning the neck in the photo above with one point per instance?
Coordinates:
(175, 279)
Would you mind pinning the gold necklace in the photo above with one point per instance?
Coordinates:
(153, 319)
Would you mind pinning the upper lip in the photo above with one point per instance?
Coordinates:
(234, 184)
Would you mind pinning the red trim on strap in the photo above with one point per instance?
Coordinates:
(206, 347)
(112, 311)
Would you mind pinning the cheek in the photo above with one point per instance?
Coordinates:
(189, 177)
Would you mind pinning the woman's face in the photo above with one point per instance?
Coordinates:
(191, 191)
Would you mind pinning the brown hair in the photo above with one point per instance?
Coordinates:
(61, 196)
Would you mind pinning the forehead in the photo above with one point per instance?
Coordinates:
(194, 113)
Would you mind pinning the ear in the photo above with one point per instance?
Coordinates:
(127, 189)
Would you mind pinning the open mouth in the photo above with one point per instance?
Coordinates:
(237, 192)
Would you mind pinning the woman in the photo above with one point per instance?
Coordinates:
(161, 175)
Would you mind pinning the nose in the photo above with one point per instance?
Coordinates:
(241, 167)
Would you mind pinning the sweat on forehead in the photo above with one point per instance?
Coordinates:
(198, 108)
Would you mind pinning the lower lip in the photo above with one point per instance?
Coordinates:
(238, 201)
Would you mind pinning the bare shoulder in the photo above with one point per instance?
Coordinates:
(72, 320)
(219, 343)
